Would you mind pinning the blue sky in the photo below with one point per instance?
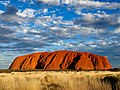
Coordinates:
(28, 26)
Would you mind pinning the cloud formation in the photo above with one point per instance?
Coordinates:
(99, 20)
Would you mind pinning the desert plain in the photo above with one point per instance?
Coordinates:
(60, 80)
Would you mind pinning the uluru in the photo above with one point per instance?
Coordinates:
(61, 60)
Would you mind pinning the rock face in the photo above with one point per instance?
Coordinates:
(61, 60)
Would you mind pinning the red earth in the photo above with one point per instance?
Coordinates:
(61, 60)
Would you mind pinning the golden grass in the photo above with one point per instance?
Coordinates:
(63, 80)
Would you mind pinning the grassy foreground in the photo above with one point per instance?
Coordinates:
(62, 80)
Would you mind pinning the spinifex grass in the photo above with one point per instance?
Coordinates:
(63, 80)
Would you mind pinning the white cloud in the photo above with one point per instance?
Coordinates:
(81, 45)
(48, 20)
(117, 31)
(84, 3)
(55, 2)
(93, 46)
(60, 42)
(89, 17)
(98, 4)
(98, 20)
(27, 13)
(45, 10)
(78, 12)
(68, 1)
(10, 15)
(5, 2)
(1, 11)
(44, 21)
(12, 18)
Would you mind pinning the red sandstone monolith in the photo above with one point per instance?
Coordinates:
(61, 60)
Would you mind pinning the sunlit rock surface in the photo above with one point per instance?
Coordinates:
(61, 60)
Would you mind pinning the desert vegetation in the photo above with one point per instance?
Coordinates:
(62, 80)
